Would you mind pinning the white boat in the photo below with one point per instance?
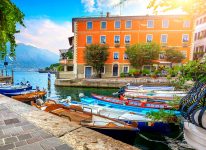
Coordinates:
(156, 91)
(153, 95)
(162, 88)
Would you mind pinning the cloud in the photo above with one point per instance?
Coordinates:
(128, 7)
(45, 34)
(88, 5)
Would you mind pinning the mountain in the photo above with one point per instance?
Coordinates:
(32, 57)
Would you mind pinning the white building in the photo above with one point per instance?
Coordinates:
(199, 37)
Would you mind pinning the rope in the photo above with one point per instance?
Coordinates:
(163, 142)
(144, 137)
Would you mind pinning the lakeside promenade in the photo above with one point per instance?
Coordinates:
(112, 82)
(23, 127)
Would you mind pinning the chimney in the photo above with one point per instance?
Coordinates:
(108, 14)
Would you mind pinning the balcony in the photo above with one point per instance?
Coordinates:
(68, 62)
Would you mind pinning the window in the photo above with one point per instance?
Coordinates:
(150, 24)
(126, 56)
(128, 24)
(184, 53)
(102, 39)
(127, 39)
(186, 24)
(165, 23)
(185, 38)
(195, 36)
(149, 38)
(89, 25)
(164, 38)
(116, 55)
(103, 25)
(89, 39)
(117, 24)
(116, 39)
(126, 69)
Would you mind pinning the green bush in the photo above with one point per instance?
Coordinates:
(145, 71)
(60, 68)
(134, 71)
(122, 74)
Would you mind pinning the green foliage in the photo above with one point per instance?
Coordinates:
(163, 115)
(173, 55)
(193, 7)
(60, 68)
(194, 70)
(134, 71)
(69, 55)
(96, 55)
(122, 74)
(145, 71)
(173, 71)
(10, 15)
(52, 66)
(142, 53)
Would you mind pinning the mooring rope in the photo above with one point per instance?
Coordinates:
(163, 142)
(144, 137)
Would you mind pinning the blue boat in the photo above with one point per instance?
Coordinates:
(14, 89)
(143, 123)
(140, 110)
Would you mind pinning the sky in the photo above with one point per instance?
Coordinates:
(49, 22)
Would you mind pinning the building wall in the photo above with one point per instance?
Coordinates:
(200, 37)
(138, 33)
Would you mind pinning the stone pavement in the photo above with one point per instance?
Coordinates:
(19, 134)
(25, 127)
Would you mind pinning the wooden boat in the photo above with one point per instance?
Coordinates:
(30, 96)
(133, 103)
(143, 123)
(94, 121)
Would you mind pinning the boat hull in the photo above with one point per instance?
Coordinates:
(133, 103)
(10, 91)
(30, 96)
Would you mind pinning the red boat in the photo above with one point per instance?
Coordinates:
(134, 103)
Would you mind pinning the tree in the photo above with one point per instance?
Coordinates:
(96, 55)
(194, 70)
(193, 7)
(10, 15)
(142, 53)
(174, 56)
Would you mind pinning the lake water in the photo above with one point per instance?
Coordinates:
(41, 80)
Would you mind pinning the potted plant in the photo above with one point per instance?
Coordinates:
(136, 73)
(145, 72)
(153, 75)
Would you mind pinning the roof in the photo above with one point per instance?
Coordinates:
(128, 17)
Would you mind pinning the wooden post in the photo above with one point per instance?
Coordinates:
(49, 83)
(12, 76)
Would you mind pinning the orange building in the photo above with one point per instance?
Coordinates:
(120, 31)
